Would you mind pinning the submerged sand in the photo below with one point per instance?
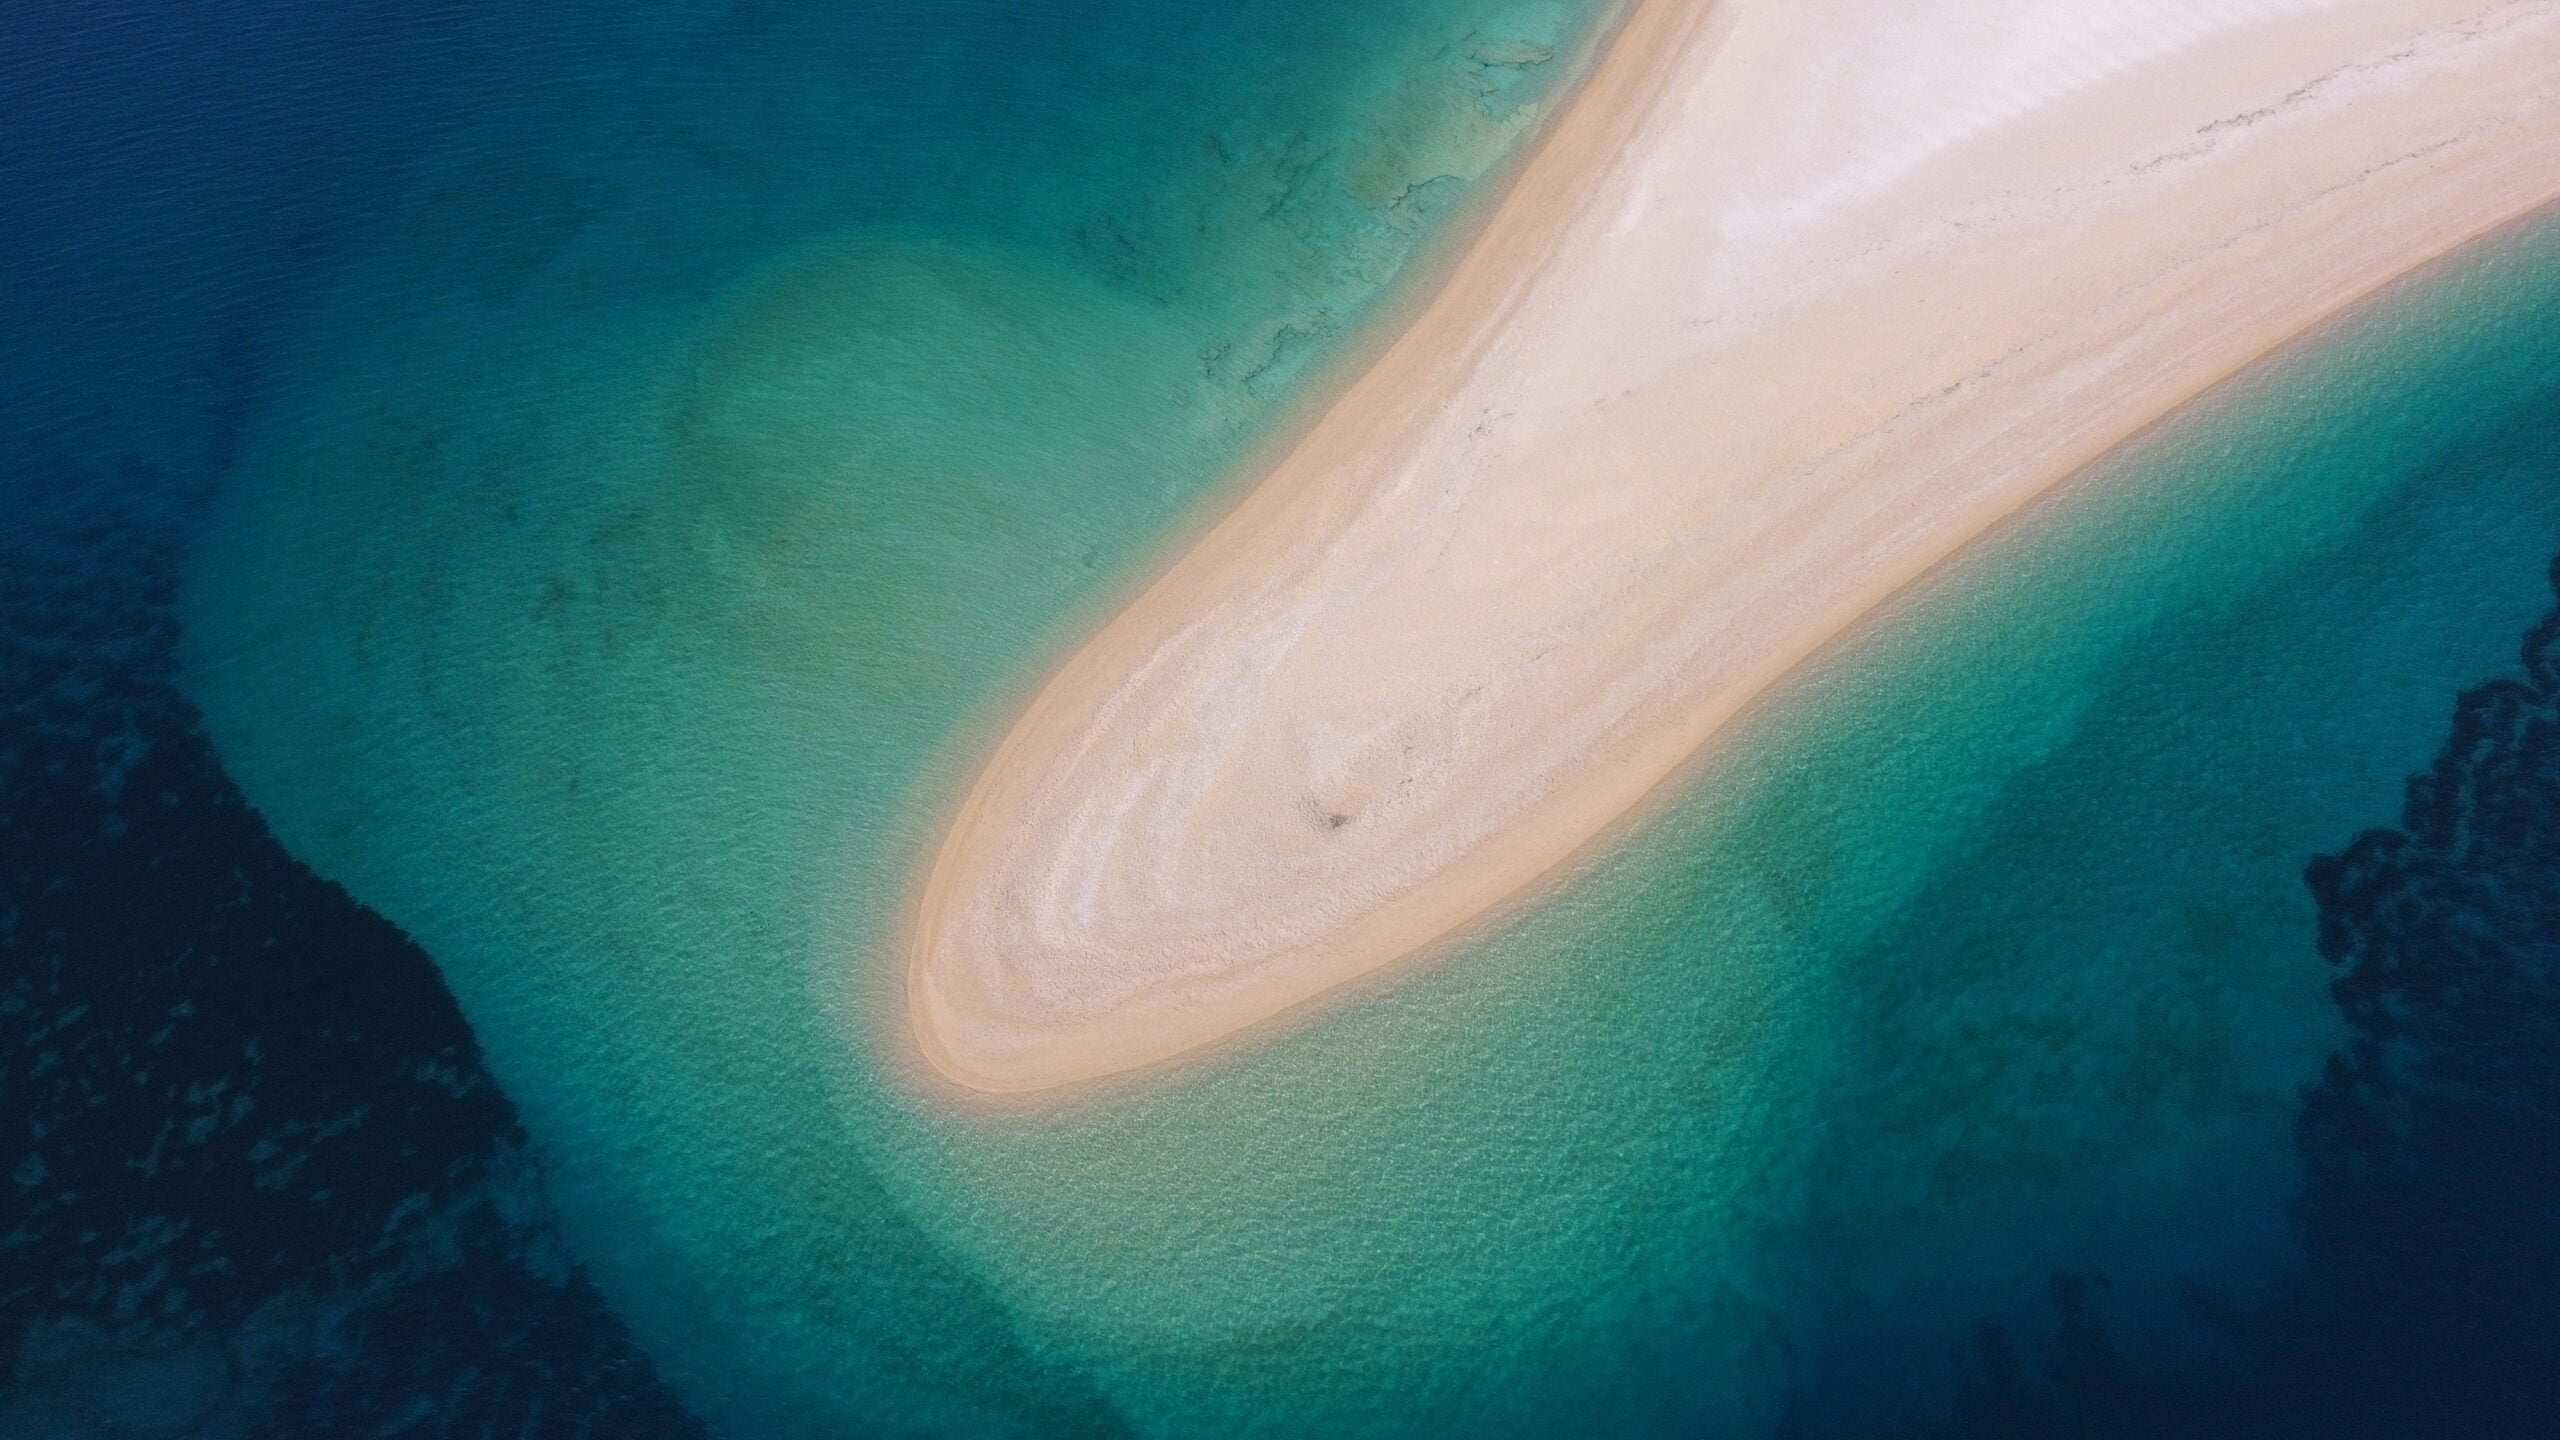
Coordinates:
(1796, 298)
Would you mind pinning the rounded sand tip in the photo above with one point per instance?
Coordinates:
(1012, 1021)
(990, 1058)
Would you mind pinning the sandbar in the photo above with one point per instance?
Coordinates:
(1792, 300)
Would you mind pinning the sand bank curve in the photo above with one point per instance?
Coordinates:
(1794, 300)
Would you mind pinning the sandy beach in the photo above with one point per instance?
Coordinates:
(1793, 300)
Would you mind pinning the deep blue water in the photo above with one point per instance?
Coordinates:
(259, 1182)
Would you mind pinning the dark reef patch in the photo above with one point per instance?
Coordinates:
(2431, 1210)
(2427, 1298)
(258, 1184)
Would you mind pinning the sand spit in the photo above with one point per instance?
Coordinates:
(1797, 297)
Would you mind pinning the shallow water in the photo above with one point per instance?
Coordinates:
(692, 426)
(641, 506)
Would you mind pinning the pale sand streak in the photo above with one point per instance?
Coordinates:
(1797, 297)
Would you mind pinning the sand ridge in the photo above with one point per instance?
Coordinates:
(1792, 301)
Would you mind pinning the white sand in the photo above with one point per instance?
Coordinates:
(1797, 297)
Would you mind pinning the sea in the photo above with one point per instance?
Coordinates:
(515, 519)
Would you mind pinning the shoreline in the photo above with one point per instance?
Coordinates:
(1153, 857)
(929, 812)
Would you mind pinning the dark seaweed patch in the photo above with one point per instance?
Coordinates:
(258, 1182)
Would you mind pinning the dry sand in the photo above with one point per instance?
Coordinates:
(1795, 298)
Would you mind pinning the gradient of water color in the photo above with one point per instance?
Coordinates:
(680, 453)
(662, 482)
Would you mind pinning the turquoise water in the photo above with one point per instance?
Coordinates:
(644, 519)
(641, 506)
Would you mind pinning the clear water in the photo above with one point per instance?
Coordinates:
(668, 479)
(694, 445)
